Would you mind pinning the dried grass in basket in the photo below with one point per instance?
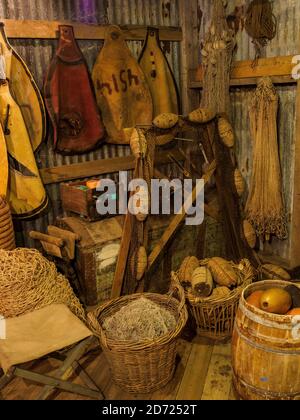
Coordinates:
(215, 317)
(142, 367)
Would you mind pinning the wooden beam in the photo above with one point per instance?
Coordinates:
(190, 23)
(276, 80)
(295, 222)
(176, 222)
(244, 73)
(40, 29)
(58, 383)
(98, 167)
(124, 251)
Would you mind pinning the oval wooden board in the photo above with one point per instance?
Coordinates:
(25, 92)
(3, 166)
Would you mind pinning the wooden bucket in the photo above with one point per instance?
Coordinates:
(266, 351)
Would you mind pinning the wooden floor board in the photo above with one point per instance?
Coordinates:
(203, 372)
(219, 377)
(193, 381)
(170, 391)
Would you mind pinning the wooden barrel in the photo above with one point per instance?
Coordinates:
(266, 351)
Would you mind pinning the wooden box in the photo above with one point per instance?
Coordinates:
(77, 198)
(98, 250)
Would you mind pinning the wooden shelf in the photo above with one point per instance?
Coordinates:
(39, 29)
(99, 167)
(244, 74)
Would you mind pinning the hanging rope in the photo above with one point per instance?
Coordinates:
(261, 24)
(265, 205)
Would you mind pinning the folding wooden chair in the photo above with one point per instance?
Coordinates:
(12, 360)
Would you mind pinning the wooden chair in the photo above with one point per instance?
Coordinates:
(60, 379)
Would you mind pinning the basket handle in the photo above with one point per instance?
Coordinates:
(176, 288)
(94, 325)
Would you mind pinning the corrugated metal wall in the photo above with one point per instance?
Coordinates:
(38, 53)
(286, 42)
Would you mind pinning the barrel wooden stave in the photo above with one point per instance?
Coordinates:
(266, 354)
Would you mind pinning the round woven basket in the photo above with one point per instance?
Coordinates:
(215, 317)
(146, 366)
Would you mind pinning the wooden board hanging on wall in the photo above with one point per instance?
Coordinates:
(44, 29)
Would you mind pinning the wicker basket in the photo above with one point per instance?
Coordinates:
(215, 317)
(147, 366)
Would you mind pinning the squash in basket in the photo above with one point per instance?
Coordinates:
(274, 272)
(223, 272)
(202, 282)
(186, 271)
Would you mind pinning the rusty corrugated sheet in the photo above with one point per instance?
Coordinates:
(38, 53)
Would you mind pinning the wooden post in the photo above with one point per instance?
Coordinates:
(190, 22)
(295, 223)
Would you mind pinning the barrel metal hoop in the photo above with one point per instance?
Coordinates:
(266, 323)
(266, 394)
(265, 348)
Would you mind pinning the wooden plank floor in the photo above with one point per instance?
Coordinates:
(203, 373)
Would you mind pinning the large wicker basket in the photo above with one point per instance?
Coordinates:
(147, 366)
(215, 317)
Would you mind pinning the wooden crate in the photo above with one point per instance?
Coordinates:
(76, 199)
(98, 250)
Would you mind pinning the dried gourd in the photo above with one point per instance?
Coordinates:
(274, 272)
(201, 116)
(223, 272)
(138, 143)
(239, 182)
(220, 293)
(142, 204)
(166, 121)
(139, 263)
(202, 282)
(226, 132)
(250, 234)
(186, 271)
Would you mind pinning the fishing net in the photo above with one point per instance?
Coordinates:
(140, 320)
(217, 57)
(265, 206)
(28, 282)
(140, 231)
(217, 62)
(261, 24)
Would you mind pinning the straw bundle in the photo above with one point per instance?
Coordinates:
(265, 205)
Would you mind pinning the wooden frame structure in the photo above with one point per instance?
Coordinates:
(280, 69)
(59, 379)
(244, 74)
